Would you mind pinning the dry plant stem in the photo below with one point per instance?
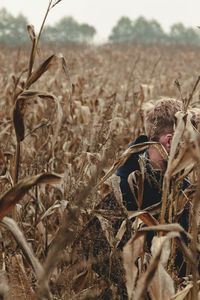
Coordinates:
(194, 242)
(164, 199)
(36, 210)
(40, 32)
(31, 62)
(155, 66)
(191, 95)
(44, 20)
(36, 42)
(176, 82)
(16, 173)
(17, 162)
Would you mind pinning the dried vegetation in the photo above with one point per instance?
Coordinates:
(65, 122)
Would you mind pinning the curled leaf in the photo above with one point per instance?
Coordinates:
(31, 32)
(13, 195)
(41, 70)
(12, 226)
(20, 107)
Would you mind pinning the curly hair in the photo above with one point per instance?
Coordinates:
(159, 116)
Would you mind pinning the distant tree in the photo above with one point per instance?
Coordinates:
(141, 31)
(67, 30)
(49, 34)
(179, 34)
(86, 33)
(147, 32)
(13, 30)
(123, 31)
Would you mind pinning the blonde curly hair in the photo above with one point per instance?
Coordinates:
(159, 116)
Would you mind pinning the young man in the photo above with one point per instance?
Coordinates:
(159, 120)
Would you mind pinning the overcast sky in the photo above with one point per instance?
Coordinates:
(104, 14)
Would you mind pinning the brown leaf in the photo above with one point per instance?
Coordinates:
(106, 229)
(131, 251)
(20, 107)
(18, 118)
(31, 32)
(144, 281)
(183, 160)
(134, 179)
(181, 122)
(145, 216)
(64, 65)
(12, 196)
(12, 226)
(79, 281)
(164, 227)
(41, 70)
(162, 285)
(181, 295)
(148, 219)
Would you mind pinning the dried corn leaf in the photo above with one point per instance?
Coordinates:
(145, 216)
(106, 229)
(131, 251)
(183, 160)
(79, 281)
(4, 287)
(41, 70)
(45, 66)
(31, 32)
(162, 285)
(12, 196)
(12, 226)
(181, 123)
(120, 232)
(19, 111)
(181, 295)
(50, 210)
(148, 219)
(18, 118)
(175, 164)
(159, 242)
(164, 227)
(144, 281)
(134, 181)
(86, 114)
(64, 65)
(24, 290)
(2, 132)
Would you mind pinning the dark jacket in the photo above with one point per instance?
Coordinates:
(152, 180)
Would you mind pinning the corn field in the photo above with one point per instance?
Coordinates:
(67, 116)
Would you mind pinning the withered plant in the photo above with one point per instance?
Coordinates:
(68, 128)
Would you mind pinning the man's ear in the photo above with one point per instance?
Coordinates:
(169, 139)
(166, 140)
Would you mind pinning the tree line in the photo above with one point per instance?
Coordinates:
(151, 32)
(13, 31)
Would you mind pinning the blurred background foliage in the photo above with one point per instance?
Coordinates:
(68, 31)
